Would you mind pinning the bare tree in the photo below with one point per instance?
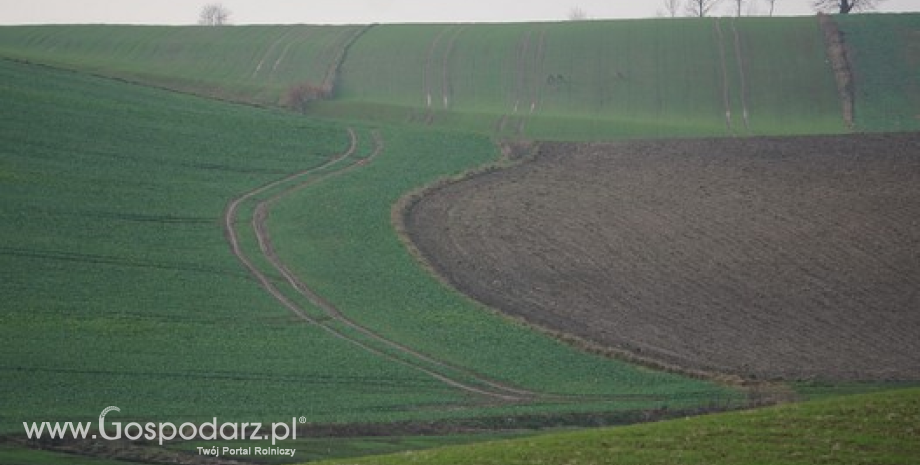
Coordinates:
(214, 14)
(739, 7)
(701, 8)
(846, 6)
(577, 14)
(671, 8)
(772, 4)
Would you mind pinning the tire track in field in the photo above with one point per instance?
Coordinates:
(520, 69)
(739, 56)
(339, 53)
(269, 51)
(259, 225)
(409, 357)
(495, 390)
(284, 53)
(519, 89)
(539, 67)
(427, 71)
(230, 214)
(446, 84)
(726, 97)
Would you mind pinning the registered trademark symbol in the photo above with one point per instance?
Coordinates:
(302, 420)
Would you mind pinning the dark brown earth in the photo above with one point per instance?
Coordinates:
(781, 258)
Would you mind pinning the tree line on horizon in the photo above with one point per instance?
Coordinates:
(216, 14)
(703, 8)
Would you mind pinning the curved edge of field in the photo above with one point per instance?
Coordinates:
(777, 229)
(878, 428)
(514, 154)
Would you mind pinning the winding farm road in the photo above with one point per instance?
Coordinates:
(406, 356)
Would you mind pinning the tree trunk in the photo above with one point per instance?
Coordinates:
(845, 6)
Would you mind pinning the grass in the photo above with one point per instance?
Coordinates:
(878, 428)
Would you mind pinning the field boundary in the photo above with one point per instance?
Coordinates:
(514, 154)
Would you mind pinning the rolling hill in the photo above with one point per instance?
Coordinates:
(573, 80)
(183, 257)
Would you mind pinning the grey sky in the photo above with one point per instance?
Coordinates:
(355, 11)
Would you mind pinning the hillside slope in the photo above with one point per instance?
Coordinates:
(572, 80)
(253, 64)
(604, 78)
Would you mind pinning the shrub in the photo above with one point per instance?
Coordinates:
(299, 96)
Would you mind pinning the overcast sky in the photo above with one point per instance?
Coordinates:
(355, 11)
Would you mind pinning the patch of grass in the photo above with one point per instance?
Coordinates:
(876, 428)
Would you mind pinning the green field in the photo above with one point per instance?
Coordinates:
(253, 64)
(878, 429)
(602, 79)
(120, 286)
(572, 80)
(125, 292)
(118, 282)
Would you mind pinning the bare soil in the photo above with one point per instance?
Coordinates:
(777, 258)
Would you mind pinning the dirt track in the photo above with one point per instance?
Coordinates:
(457, 377)
(787, 258)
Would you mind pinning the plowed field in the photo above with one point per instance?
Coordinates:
(788, 258)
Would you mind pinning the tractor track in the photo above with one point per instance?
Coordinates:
(739, 56)
(446, 84)
(338, 54)
(269, 51)
(287, 48)
(369, 340)
(427, 72)
(539, 67)
(413, 359)
(726, 93)
(520, 90)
